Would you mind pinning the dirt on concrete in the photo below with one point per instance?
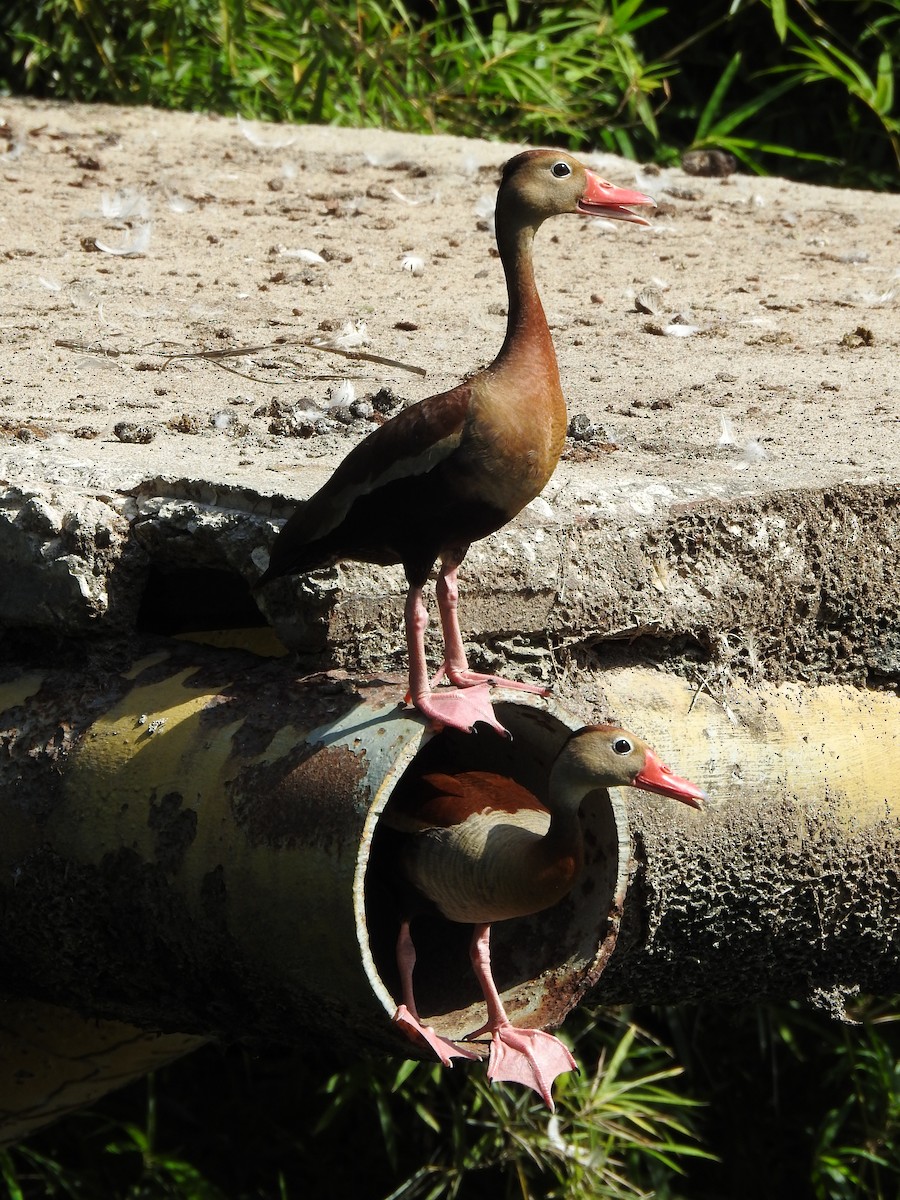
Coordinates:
(732, 373)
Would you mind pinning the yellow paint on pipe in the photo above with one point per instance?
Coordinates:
(145, 663)
(287, 887)
(289, 904)
(829, 745)
(262, 641)
(54, 1061)
(127, 759)
(127, 763)
(15, 692)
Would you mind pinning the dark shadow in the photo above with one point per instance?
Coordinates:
(195, 599)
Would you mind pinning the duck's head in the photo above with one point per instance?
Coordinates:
(538, 184)
(607, 756)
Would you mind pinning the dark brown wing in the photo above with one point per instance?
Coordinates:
(442, 801)
(384, 497)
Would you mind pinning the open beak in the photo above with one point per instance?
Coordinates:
(656, 777)
(601, 199)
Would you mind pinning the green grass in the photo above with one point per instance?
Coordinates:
(223, 1127)
(567, 73)
(774, 1101)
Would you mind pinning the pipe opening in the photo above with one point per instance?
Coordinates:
(182, 600)
(544, 963)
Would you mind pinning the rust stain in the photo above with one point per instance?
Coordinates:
(560, 995)
(321, 801)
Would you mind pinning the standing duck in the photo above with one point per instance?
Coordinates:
(457, 466)
(482, 848)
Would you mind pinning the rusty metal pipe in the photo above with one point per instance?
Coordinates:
(54, 1061)
(190, 844)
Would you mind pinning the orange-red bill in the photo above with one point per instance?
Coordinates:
(656, 777)
(602, 199)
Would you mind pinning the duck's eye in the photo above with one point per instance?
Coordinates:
(622, 746)
(561, 169)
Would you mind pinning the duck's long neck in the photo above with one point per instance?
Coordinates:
(527, 344)
(563, 841)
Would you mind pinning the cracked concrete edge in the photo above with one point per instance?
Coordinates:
(796, 584)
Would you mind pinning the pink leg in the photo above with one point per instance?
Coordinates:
(456, 664)
(450, 706)
(527, 1056)
(407, 1016)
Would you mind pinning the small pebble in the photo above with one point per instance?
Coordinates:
(683, 193)
(717, 163)
(127, 431)
(385, 401)
(186, 423)
(581, 428)
(290, 427)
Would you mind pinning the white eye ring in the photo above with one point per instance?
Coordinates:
(561, 169)
(622, 746)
